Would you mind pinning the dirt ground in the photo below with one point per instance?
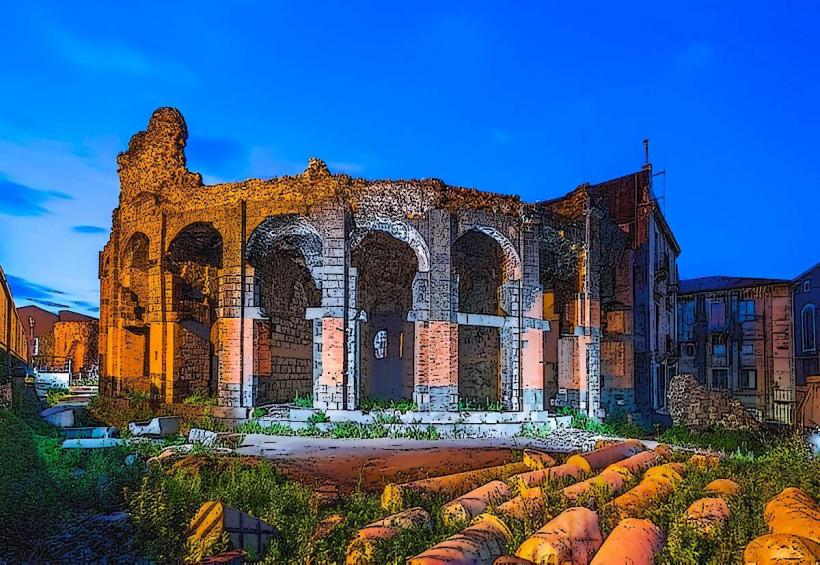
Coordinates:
(377, 462)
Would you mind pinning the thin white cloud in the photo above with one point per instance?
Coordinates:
(109, 57)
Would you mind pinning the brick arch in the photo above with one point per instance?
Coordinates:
(511, 265)
(398, 229)
(292, 233)
(286, 255)
(194, 262)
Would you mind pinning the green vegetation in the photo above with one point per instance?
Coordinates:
(258, 413)
(718, 439)
(200, 399)
(618, 424)
(340, 430)
(371, 404)
(470, 405)
(303, 401)
(55, 395)
(318, 417)
(787, 462)
(42, 484)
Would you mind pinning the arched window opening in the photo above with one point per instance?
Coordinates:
(194, 260)
(278, 252)
(808, 327)
(385, 269)
(477, 260)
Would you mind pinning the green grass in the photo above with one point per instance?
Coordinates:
(42, 483)
(371, 404)
(200, 399)
(55, 395)
(617, 424)
(472, 405)
(303, 401)
(318, 417)
(340, 430)
(727, 441)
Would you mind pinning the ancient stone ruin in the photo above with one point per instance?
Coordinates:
(693, 405)
(344, 288)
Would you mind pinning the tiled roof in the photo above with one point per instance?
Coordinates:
(719, 282)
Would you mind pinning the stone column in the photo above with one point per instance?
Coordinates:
(510, 346)
(534, 326)
(331, 329)
(235, 338)
(436, 339)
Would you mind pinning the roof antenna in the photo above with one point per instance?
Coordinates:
(646, 164)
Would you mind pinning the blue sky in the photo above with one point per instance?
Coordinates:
(524, 98)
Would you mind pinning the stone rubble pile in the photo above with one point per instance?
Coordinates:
(696, 407)
(568, 439)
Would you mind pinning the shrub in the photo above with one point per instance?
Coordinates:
(30, 502)
(303, 401)
(200, 399)
(55, 395)
(318, 417)
(372, 404)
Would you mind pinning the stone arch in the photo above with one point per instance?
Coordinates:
(481, 266)
(386, 268)
(134, 297)
(194, 262)
(291, 232)
(285, 254)
(399, 230)
(512, 261)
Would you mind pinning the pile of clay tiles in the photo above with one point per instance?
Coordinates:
(492, 500)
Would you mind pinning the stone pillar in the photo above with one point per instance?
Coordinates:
(352, 390)
(235, 338)
(510, 346)
(436, 345)
(534, 325)
(331, 329)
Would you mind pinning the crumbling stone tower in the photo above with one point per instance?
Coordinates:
(339, 287)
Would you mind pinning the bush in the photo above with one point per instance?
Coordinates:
(303, 401)
(200, 399)
(318, 417)
(30, 502)
(371, 404)
(55, 395)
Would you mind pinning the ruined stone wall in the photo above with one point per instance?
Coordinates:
(312, 267)
(77, 341)
(694, 406)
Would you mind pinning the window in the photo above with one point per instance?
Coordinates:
(719, 350)
(686, 320)
(747, 349)
(717, 315)
(720, 378)
(36, 346)
(689, 349)
(746, 310)
(806, 286)
(748, 379)
(380, 344)
(808, 328)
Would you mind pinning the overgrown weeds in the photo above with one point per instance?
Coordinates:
(372, 404)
